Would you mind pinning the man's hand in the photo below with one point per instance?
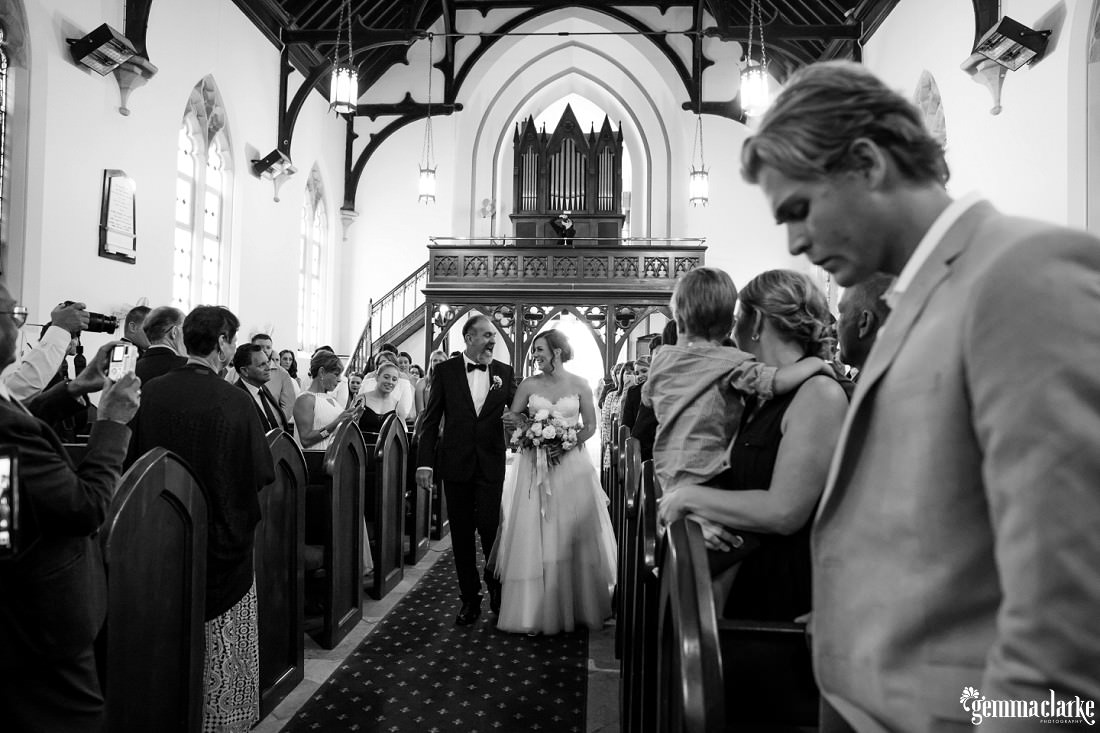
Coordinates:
(424, 478)
(120, 399)
(73, 318)
(511, 420)
(673, 505)
(94, 376)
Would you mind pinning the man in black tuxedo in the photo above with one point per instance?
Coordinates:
(470, 393)
(53, 590)
(254, 370)
(163, 329)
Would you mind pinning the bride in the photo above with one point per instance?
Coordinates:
(556, 552)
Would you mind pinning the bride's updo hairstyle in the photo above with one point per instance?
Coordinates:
(555, 339)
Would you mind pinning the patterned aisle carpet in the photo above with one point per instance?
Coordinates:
(419, 672)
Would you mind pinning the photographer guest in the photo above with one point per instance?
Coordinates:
(53, 591)
(39, 364)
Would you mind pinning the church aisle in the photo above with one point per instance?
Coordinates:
(416, 671)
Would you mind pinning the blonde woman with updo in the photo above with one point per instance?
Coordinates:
(318, 411)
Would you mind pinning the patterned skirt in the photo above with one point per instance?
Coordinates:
(231, 669)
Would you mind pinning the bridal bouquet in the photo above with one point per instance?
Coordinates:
(543, 432)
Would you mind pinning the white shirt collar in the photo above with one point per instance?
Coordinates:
(254, 391)
(927, 245)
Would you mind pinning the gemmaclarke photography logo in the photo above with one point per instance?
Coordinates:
(1050, 710)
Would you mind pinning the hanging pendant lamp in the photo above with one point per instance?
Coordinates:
(344, 86)
(699, 183)
(755, 94)
(426, 186)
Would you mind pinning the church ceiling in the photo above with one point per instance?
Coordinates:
(796, 32)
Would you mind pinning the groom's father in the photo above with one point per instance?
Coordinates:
(469, 394)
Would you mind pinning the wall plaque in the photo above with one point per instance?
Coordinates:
(117, 237)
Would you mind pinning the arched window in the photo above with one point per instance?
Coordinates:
(311, 268)
(203, 183)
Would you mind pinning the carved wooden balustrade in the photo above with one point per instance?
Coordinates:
(521, 289)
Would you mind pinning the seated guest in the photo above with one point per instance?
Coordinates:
(289, 361)
(610, 408)
(31, 372)
(379, 402)
(632, 398)
(164, 330)
(404, 389)
(645, 424)
(254, 372)
(214, 427)
(424, 386)
(404, 361)
(780, 459)
(282, 386)
(355, 381)
(132, 327)
(53, 591)
(862, 313)
(318, 411)
(417, 373)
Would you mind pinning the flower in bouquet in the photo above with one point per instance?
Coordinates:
(542, 431)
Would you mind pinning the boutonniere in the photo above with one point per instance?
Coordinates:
(496, 383)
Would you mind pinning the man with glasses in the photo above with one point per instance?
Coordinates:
(40, 363)
(53, 591)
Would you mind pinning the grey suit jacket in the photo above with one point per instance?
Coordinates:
(958, 539)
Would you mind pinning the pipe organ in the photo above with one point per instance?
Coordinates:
(567, 171)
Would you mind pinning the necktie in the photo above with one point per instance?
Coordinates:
(272, 421)
(471, 367)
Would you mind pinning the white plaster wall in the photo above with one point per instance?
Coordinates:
(77, 132)
(1018, 159)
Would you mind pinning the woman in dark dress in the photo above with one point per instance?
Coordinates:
(381, 400)
(779, 461)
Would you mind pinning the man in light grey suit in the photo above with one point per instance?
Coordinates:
(957, 544)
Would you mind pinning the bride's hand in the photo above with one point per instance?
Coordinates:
(511, 420)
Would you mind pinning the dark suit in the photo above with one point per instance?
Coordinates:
(632, 400)
(157, 360)
(53, 593)
(273, 407)
(469, 459)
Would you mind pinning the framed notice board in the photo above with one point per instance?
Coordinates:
(117, 237)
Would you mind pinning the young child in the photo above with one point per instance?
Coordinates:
(695, 387)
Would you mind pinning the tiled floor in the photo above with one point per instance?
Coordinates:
(603, 671)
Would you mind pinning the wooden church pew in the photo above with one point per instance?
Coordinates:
(334, 520)
(280, 577)
(418, 519)
(690, 683)
(384, 505)
(625, 564)
(639, 683)
(154, 548)
(725, 674)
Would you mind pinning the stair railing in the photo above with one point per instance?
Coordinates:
(387, 312)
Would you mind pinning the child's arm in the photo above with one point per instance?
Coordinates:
(791, 377)
(756, 378)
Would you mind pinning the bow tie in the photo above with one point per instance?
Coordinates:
(471, 367)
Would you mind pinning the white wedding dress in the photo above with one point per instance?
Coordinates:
(556, 553)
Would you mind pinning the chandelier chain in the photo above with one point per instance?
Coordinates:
(759, 27)
(698, 143)
(429, 146)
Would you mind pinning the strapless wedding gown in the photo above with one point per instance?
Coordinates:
(556, 553)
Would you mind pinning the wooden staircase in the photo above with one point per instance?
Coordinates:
(394, 317)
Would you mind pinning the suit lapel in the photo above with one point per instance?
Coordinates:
(898, 325)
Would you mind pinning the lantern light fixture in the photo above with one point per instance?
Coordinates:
(344, 83)
(755, 95)
(699, 183)
(426, 187)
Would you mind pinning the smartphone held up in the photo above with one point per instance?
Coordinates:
(123, 360)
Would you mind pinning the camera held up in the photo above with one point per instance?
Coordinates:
(99, 323)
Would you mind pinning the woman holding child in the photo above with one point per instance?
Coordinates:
(555, 552)
(779, 462)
